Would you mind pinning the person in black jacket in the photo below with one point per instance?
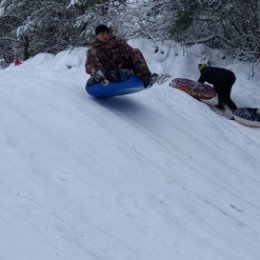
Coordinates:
(222, 80)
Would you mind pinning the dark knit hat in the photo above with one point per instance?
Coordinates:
(101, 28)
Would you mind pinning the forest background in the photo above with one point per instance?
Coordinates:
(29, 27)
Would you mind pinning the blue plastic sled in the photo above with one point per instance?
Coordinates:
(132, 85)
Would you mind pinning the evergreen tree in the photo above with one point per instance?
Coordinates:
(232, 25)
(28, 27)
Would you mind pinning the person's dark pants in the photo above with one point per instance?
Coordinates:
(224, 92)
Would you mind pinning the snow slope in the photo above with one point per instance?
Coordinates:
(152, 175)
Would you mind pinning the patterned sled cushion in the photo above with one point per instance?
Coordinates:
(247, 116)
(193, 88)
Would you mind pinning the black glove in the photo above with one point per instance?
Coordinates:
(100, 77)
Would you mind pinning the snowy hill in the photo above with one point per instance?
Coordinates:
(153, 175)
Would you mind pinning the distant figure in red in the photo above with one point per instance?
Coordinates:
(17, 62)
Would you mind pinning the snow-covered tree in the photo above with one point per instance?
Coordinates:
(28, 27)
(232, 25)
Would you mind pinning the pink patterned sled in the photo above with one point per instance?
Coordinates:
(195, 89)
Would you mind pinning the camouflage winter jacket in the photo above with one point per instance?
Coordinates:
(111, 55)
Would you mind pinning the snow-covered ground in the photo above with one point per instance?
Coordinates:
(152, 175)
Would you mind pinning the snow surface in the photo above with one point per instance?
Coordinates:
(152, 175)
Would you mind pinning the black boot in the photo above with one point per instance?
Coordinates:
(220, 107)
(149, 80)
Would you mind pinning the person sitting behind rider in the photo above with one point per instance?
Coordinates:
(110, 58)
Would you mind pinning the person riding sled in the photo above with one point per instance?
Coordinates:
(222, 81)
(111, 59)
